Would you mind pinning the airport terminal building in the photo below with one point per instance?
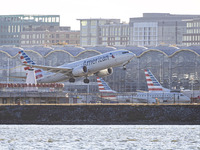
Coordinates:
(174, 67)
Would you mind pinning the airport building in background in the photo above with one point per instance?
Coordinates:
(91, 32)
(35, 30)
(11, 26)
(152, 29)
(115, 34)
(50, 36)
(158, 29)
(192, 35)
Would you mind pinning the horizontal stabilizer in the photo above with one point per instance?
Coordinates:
(19, 77)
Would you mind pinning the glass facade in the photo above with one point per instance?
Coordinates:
(115, 34)
(192, 35)
(174, 67)
(168, 29)
(90, 31)
(145, 33)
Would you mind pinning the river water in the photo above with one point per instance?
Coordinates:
(95, 137)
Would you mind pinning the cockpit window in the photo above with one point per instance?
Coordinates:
(125, 52)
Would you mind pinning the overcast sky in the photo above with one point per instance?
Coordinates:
(70, 10)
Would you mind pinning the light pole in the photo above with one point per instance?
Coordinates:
(192, 87)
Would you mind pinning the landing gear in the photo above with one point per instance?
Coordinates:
(124, 67)
(86, 80)
(71, 80)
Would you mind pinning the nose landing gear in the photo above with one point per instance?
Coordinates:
(124, 67)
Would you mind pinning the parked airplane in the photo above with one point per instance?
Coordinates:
(152, 83)
(100, 65)
(109, 94)
(156, 92)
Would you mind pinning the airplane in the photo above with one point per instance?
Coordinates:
(155, 92)
(152, 83)
(100, 65)
(109, 94)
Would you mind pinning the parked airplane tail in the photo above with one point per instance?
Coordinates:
(105, 90)
(152, 83)
(27, 60)
(103, 86)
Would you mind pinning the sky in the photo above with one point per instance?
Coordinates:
(71, 10)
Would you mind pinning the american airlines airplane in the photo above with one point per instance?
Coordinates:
(100, 65)
(109, 94)
(156, 92)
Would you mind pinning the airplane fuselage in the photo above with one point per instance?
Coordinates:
(164, 96)
(148, 97)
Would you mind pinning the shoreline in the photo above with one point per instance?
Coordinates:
(100, 115)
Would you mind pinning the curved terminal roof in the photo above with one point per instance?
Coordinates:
(75, 51)
(101, 49)
(192, 48)
(10, 51)
(39, 49)
(167, 50)
(134, 49)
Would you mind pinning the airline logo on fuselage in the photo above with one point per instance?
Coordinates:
(97, 60)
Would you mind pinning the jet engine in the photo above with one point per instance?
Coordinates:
(79, 71)
(105, 72)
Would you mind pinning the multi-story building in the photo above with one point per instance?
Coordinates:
(48, 37)
(115, 34)
(90, 30)
(192, 35)
(158, 28)
(62, 37)
(12, 25)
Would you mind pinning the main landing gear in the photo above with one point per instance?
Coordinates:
(86, 80)
(71, 80)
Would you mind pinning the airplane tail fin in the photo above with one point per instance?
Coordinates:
(103, 86)
(152, 83)
(25, 59)
(105, 90)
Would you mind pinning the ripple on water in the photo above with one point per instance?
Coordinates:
(99, 137)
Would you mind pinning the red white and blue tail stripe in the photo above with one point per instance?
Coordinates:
(105, 90)
(27, 60)
(152, 83)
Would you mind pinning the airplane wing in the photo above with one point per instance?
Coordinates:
(141, 91)
(63, 70)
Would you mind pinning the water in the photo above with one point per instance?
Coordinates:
(107, 137)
